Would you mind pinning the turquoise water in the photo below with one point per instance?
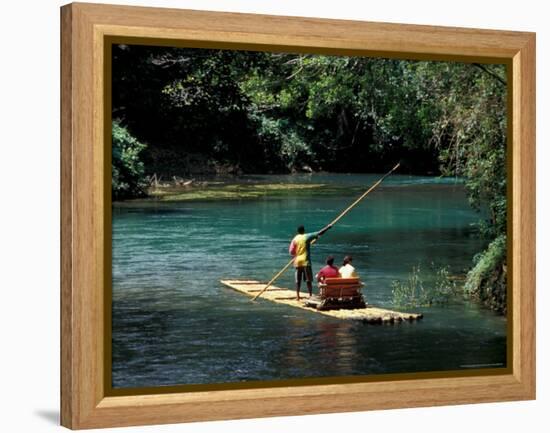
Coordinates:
(174, 323)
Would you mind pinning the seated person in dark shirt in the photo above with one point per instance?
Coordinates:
(329, 271)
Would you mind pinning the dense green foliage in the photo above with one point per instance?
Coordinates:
(486, 281)
(127, 168)
(216, 111)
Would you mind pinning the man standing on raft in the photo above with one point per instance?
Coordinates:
(300, 249)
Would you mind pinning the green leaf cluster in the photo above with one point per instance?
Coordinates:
(128, 171)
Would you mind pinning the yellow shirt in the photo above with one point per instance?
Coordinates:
(299, 248)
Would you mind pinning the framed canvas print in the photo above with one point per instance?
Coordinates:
(267, 216)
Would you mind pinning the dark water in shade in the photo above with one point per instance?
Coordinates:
(174, 323)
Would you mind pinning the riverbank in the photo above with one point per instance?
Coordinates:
(242, 187)
(224, 190)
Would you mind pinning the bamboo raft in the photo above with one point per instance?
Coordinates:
(368, 314)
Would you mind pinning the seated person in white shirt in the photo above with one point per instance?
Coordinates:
(347, 270)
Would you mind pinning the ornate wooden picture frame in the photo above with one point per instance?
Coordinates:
(87, 30)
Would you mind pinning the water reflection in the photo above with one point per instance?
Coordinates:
(339, 346)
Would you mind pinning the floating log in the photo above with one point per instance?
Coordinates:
(368, 314)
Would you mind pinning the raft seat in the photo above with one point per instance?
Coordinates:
(336, 293)
(340, 287)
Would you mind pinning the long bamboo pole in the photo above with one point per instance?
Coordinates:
(338, 218)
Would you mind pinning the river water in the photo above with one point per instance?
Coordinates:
(174, 323)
